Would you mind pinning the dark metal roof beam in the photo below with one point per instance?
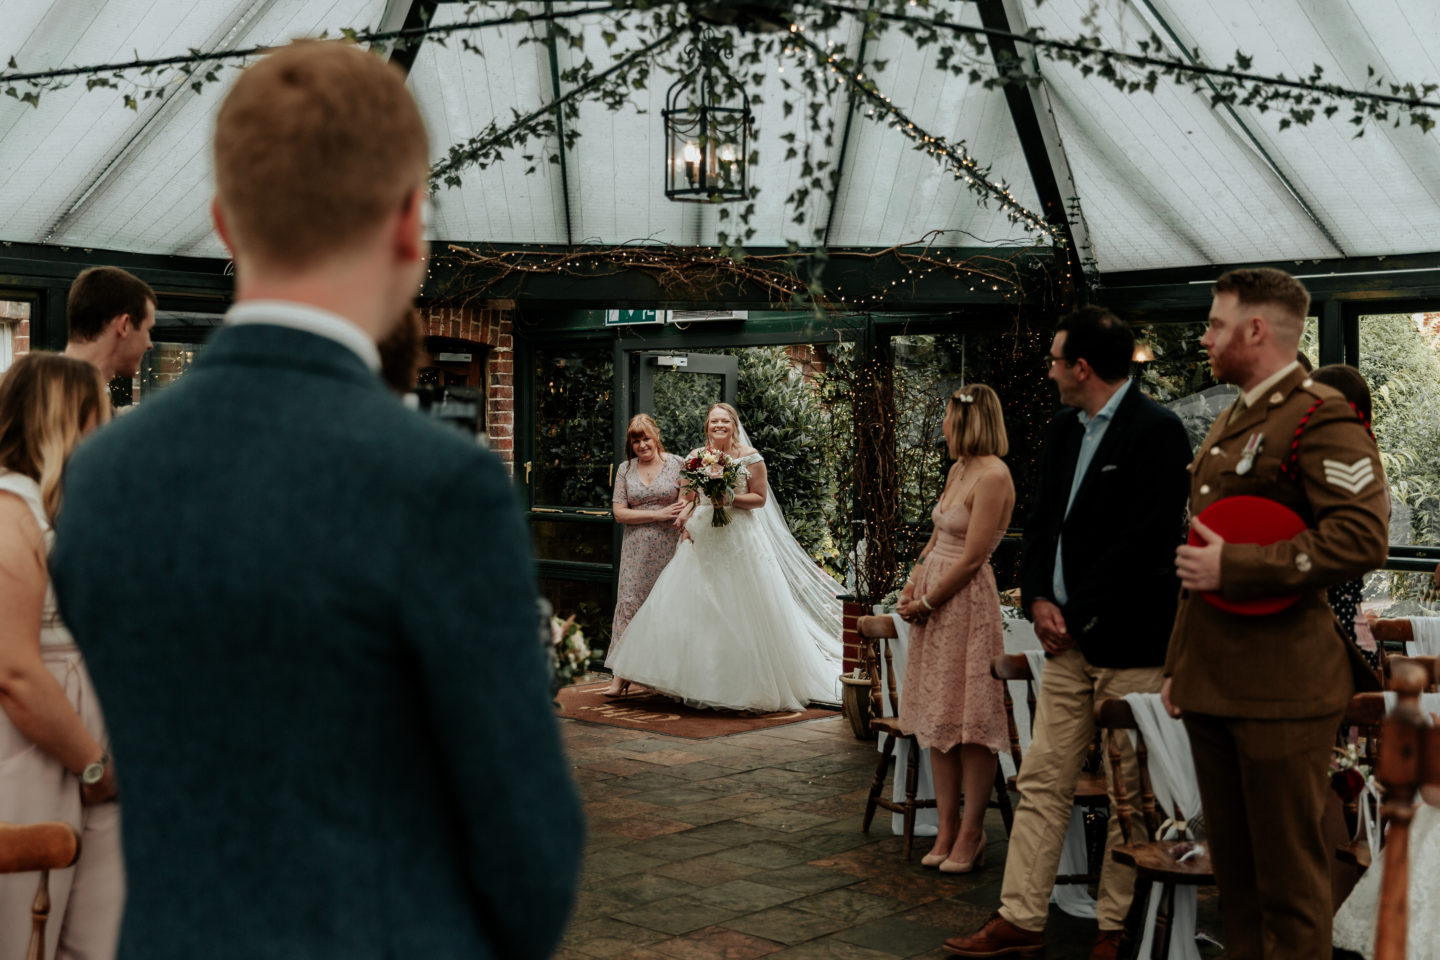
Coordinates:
(850, 109)
(559, 121)
(158, 112)
(404, 15)
(1039, 139)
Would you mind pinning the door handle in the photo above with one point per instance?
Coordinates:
(527, 471)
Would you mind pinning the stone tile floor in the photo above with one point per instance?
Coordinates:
(750, 846)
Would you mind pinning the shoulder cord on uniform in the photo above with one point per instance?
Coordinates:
(1291, 467)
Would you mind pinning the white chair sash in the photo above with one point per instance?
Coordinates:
(1177, 789)
(1426, 631)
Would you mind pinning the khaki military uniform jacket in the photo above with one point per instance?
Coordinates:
(1296, 663)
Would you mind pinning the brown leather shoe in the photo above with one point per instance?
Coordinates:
(1107, 945)
(998, 938)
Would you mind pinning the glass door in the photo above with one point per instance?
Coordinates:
(678, 389)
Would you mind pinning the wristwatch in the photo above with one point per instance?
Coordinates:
(95, 772)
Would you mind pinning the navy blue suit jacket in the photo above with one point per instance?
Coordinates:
(310, 617)
(1120, 534)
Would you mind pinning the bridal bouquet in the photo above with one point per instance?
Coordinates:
(715, 475)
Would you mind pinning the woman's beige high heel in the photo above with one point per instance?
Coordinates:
(933, 859)
(966, 866)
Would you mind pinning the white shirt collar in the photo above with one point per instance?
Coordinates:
(1253, 395)
(301, 316)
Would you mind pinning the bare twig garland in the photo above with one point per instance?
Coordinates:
(696, 272)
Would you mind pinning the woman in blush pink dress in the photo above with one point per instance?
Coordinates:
(54, 763)
(949, 701)
(647, 501)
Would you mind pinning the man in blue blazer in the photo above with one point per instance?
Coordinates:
(1097, 578)
(310, 613)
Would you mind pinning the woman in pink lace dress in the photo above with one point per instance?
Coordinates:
(949, 701)
(647, 501)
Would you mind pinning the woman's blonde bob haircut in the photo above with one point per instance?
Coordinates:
(642, 425)
(978, 427)
(46, 401)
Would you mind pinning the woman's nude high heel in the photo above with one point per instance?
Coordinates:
(966, 866)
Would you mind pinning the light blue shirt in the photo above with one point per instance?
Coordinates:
(1095, 428)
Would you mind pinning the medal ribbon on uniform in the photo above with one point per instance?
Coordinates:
(1247, 456)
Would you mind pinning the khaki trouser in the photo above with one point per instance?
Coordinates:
(1064, 726)
(1263, 786)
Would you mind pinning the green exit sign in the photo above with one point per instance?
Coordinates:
(621, 318)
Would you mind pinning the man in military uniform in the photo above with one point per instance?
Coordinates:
(1262, 695)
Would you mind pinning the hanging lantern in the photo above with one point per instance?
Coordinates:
(707, 142)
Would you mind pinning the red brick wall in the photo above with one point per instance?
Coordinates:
(17, 314)
(850, 634)
(490, 322)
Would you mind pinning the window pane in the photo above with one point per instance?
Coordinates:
(1390, 593)
(574, 415)
(162, 366)
(1400, 360)
(573, 540)
(1179, 375)
(928, 368)
(681, 402)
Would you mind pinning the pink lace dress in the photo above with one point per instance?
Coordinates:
(949, 696)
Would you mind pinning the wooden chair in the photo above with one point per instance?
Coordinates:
(1152, 859)
(872, 631)
(1366, 711)
(37, 847)
(1090, 789)
(1409, 761)
(1398, 631)
(1430, 667)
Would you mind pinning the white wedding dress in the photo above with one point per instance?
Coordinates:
(740, 619)
(1355, 920)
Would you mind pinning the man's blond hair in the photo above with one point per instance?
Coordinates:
(314, 146)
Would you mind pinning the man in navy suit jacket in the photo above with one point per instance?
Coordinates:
(1097, 578)
(310, 613)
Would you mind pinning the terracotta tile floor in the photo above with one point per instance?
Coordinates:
(750, 846)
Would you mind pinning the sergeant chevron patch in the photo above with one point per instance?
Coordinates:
(1353, 477)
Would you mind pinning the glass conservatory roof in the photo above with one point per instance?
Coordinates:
(1152, 180)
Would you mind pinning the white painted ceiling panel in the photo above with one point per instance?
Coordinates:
(894, 193)
(1164, 180)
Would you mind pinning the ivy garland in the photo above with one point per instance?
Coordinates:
(826, 72)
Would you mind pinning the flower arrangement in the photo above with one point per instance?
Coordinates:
(1347, 774)
(715, 475)
(568, 652)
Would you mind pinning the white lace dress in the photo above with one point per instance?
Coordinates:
(721, 627)
(1355, 920)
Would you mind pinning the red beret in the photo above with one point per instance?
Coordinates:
(1246, 519)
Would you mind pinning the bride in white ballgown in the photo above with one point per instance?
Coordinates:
(741, 618)
(1354, 927)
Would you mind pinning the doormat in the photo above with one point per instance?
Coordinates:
(659, 714)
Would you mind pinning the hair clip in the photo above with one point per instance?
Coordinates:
(963, 397)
